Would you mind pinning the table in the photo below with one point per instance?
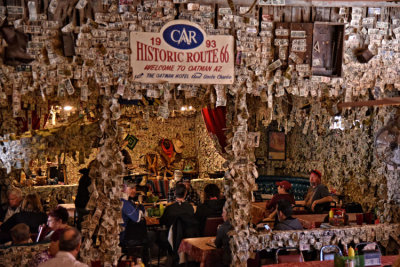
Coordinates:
(258, 213)
(152, 221)
(198, 250)
(309, 220)
(386, 260)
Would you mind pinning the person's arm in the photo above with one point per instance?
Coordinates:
(322, 196)
(132, 212)
(220, 236)
(272, 215)
(272, 203)
(321, 201)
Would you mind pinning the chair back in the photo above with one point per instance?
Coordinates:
(294, 255)
(327, 256)
(211, 226)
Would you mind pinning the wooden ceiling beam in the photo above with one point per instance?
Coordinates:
(370, 103)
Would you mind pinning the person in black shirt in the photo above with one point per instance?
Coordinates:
(83, 195)
(222, 239)
(286, 221)
(180, 208)
(180, 215)
(318, 197)
(212, 206)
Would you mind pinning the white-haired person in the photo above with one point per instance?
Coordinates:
(14, 197)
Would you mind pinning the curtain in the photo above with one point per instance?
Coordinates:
(215, 120)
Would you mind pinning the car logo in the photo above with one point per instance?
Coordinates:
(183, 36)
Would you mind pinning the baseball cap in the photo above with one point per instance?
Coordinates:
(317, 172)
(285, 184)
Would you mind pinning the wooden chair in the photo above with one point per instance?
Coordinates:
(288, 258)
(211, 226)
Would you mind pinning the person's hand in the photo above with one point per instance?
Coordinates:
(260, 225)
(313, 205)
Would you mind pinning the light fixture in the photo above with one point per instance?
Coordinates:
(183, 108)
(190, 108)
(67, 108)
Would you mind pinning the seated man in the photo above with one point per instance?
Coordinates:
(70, 244)
(180, 214)
(191, 194)
(212, 206)
(135, 232)
(180, 208)
(222, 239)
(14, 196)
(318, 198)
(285, 219)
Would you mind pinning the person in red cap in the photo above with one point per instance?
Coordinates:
(283, 193)
(318, 197)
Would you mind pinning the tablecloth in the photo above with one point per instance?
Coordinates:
(200, 251)
(386, 260)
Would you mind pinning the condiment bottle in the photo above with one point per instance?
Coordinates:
(161, 209)
(351, 261)
(331, 213)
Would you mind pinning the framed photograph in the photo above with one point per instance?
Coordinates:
(276, 146)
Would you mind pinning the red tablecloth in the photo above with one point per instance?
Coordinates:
(386, 260)
(200, 251)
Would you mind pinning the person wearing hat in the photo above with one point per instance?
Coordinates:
(283, 193)
(133, 217)
(318, 197)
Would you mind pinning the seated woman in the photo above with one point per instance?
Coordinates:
(32, 215)
(283, 193)
(48, 253)
(212, 206)
(57, 220)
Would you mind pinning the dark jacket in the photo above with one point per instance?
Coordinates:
(175, 210)
(181, 216)
(82, 196)
(222, 241)
(209, 209)
(289, 224)
(135, 231)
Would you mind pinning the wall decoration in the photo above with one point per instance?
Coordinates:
(182, 53)
(132, 141)
(276, 146)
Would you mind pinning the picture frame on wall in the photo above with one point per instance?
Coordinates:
(276, 145)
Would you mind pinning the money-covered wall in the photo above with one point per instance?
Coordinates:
(191, 130)
(79, 51)
(346, 157)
